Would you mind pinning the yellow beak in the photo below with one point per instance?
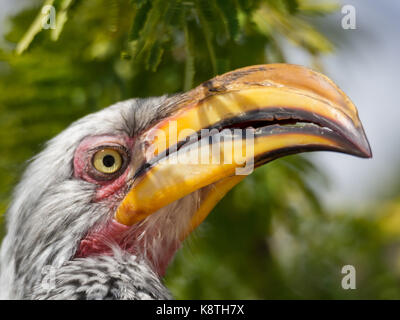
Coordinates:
(226, 126)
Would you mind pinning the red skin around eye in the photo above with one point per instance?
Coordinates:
(82, 163)
(97, 240)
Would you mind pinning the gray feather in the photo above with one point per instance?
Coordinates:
(51, 212)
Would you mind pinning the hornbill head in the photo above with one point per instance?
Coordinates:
(108, 202)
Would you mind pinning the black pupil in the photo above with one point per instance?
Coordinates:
(108, 161)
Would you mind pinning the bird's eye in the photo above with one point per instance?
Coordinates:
(107, 161)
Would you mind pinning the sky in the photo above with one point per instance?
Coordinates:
(366, 66)
(8, 7)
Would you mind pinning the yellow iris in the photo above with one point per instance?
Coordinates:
(107, 161)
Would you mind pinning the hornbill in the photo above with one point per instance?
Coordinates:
(101, 211)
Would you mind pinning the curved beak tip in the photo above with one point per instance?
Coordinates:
(362, 144)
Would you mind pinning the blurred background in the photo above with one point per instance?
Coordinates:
(304, 217)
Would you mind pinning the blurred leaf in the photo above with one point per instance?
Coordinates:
(229, 12)
(34, 29)
(139, 19)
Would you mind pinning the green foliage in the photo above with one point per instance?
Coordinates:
(270, 237)
(266, 243)
(219, 28)
(103, 51)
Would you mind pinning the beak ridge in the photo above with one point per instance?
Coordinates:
(287, 108)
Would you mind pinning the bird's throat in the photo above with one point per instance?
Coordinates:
(116, 236)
